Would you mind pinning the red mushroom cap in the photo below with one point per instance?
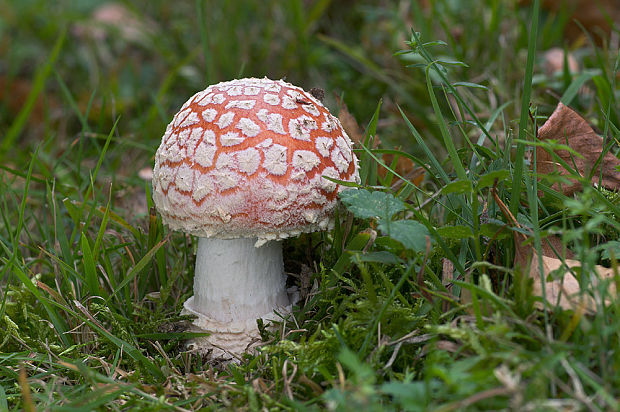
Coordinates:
(246, 158)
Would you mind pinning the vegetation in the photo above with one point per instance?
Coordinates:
(418, 300)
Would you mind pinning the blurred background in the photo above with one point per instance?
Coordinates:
(69, 69)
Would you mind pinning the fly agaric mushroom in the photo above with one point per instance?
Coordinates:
(241, 166)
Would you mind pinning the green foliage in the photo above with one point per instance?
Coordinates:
(413, 235)
(383, 206)
(365, 204)
(413, 302)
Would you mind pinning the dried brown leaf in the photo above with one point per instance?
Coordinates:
(552, 246)
(569, 128)
(114, 18)
(593, 16)
(447, 277)
(553, 61)
(349, 124)
(146, 173)
(404, 166)
(565, 289)
(448, 346)
(14, 93)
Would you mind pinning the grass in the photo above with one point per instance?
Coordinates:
(413, 302)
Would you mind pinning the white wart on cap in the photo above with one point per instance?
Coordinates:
(246, 158)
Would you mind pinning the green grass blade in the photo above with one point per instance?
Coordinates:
(94, 376)
(432, 64)
(58, 322)
(357, 243)
(483, 137)
(155, 234)
(574, 87)
(127, 347)
(519, 159)
(90, 271)
(319, 8)
(4, 404)
(67, 93)
(22, 207)
(92, 180)
(209, 72)
(102, 229)
(77, 208)
(373, 326)
(135, 271)
(368, 170)
(96, 397)
(445, 134)
(436, 166)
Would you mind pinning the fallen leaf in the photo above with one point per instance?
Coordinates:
(447, 277)
(405, 167)
(567, 127)
(350, 125)
(564, 290)
(552, 246)
(553, 61)
(593, 16)
(14, 93)
(146, 173)
(448, 346)
(115, 18)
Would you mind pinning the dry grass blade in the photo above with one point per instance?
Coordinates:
(288, 379)
(480, 396)
(25, 389)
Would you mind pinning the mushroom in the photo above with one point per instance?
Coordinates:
(242, 166)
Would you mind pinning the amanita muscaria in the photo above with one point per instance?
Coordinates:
(242, 166)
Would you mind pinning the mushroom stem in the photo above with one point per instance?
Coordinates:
(236, 283)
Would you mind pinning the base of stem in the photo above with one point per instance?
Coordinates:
(228, 341)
